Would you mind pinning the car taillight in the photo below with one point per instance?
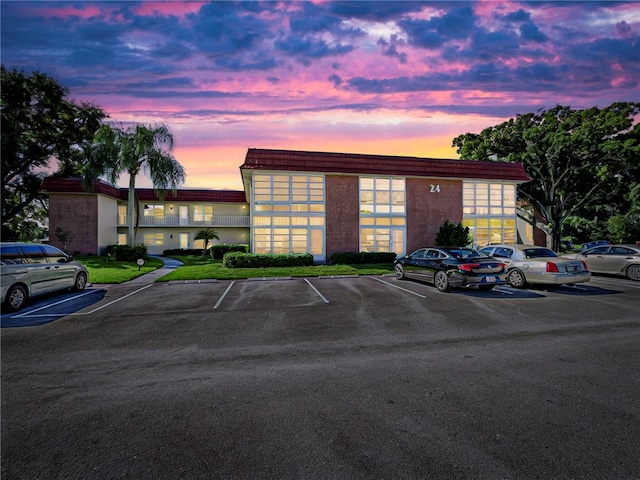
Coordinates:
(467, 267)
(584, 265)
(552, 268)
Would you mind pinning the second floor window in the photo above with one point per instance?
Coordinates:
(154, 211)
(202, 213)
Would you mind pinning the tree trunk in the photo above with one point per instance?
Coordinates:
(131, 211)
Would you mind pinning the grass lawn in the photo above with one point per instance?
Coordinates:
(197, 267)
(104, 270)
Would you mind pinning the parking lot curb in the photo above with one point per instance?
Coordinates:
(267, 279)
(184, 282)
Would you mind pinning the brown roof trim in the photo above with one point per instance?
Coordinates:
(74, 185)
(350, 163)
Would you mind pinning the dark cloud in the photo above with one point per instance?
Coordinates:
(531, 32)
(335, 79)
(516, 17)
(458, 23)
(377, 10)
(310, 48)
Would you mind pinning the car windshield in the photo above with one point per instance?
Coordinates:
(465, 253)
(539, 252)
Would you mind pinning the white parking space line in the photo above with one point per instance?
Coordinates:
(223, 295)
(505, 290)
(74, 314)
(399, 288)
(316, 290)
(29, 313)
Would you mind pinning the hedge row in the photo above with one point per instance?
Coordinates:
(354, 258)
(216, 251)
(261, 260)
(126, 253)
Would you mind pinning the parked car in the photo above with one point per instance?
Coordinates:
(614, 259)
(30, 269)
(566, 245)
(528, 264)
(449, 268)
(595, 243)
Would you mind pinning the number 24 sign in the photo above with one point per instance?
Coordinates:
(434, 188)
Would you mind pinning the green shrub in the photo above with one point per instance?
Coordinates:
(453, 235)
(262, 260)
(218, 252)
(182, 251)
(126, 253)
(356, 258)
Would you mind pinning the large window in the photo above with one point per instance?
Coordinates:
(154, 211)
(489, 210)
(382, 196)
(288, 214)
(154, 238)
(202, 213)
(382, 215)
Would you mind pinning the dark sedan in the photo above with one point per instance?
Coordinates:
(449, 268)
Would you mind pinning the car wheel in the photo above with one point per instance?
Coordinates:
(399, 270)
(16, 298)
(486, 287)
(633, 272)
(441, 281)
(81, 282)
(516, 279)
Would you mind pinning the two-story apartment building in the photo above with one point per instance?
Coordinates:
(314, 202)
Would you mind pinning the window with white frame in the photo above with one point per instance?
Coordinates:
(202, 213)
(154, 211)
(154, 239)
(489, 210)
(288, 213)
(382, 215)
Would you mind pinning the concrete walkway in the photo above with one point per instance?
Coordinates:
(169, 265)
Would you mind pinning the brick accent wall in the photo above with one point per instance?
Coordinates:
(77, 213)
(342, 214)
(427, 210)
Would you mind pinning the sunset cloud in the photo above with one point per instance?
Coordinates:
(391, 77)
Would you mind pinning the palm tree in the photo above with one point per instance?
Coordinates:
(118, 150)
(206, 235)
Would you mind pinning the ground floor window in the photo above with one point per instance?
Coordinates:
(382, 234)
(154, 238)
(289, 239)
(487, 230)
(122, 239)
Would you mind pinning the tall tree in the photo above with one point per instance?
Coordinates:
(39, 125)
(574, 157)
(119, 150)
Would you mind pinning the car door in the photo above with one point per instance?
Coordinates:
(63, 271)
(594, 258)
(432, 263)
(414, 264)
(616, 258)
(41, 276)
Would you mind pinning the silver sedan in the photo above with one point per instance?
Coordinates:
(613, 259)
(529, 264)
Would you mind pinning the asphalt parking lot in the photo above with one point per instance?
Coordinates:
(365, 377)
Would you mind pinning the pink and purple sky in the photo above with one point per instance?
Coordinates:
(383, 77)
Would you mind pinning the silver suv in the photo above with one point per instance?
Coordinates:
(30, 269)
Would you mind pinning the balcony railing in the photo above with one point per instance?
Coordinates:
(177, 221)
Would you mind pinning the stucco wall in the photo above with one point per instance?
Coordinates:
(77, 213)
(342, 214)
(430, 202)
(107, 224)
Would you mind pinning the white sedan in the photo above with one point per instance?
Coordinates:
(529, 264)
(613, 259)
